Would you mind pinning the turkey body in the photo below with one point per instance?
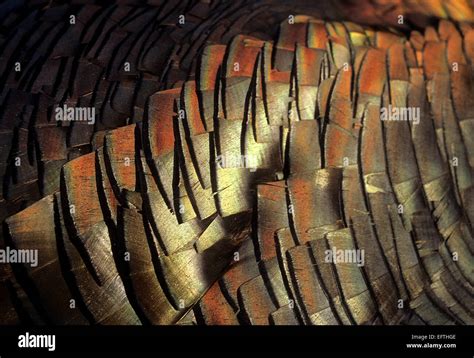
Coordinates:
(247, 164)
